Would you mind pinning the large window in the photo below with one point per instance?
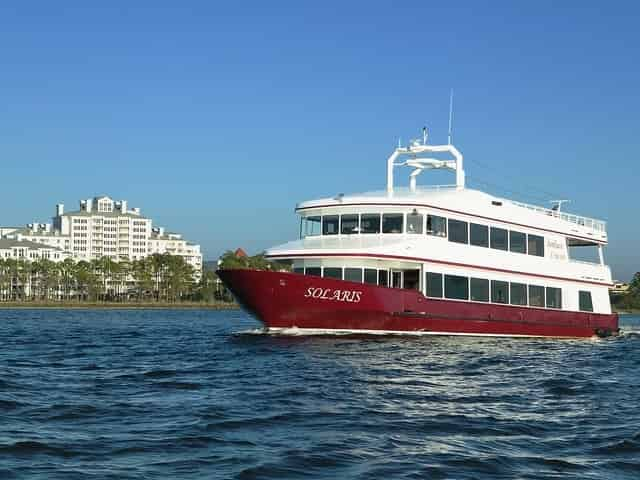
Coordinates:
(311, 226)
(456, 287)
(299, 270)
(586, 304)
(436, 226)
(536, 245)
(499, 239)
(536, 296)
(314, 271)
(458, 231)
(353, 274)
(383, 278)
(414, 222)
(370, 223)
(332, 272)
(479, 235)
(554, 297)
(517, 242)
(499, 291)
(371, 276)
(479, 290)
(330, 224)
(518, 294)
(392, 222)
(434, 285)
(350, 224)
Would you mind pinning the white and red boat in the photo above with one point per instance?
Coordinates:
(437, 260)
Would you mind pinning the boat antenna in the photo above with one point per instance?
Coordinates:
(424, 135)
(450, 115)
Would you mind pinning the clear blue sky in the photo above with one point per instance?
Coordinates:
(216, 119)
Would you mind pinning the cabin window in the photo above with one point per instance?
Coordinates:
(479, 235)
(411, 279)
(499, 291)
(311, 226)
(518, 294)
(299, 270)
(332, 272)
(371, 276)
(414, 222)
(479, 290)
(456, 287)
(383, 278)
(458, 231)
(370, 223)
(313, 271)
(434, 285)
(536, 296)
(349, 224)
(436, 226)
(535, 245)
(353, 274)
(330, 224)
(586, 304)
(392, 222)
(517, 242)
(499, 238)
(554, 297)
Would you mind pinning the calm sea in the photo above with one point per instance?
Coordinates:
(197, 394)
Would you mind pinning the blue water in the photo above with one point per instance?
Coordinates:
(182, 394)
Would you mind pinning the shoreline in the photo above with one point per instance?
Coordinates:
(116, 306)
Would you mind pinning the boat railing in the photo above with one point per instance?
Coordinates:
(592, 223)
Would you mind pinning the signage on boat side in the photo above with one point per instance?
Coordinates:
(556, 250)
(350, 296)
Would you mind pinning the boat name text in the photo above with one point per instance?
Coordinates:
(351, 296)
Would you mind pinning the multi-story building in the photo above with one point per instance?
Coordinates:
(26, 250)
(173, 243)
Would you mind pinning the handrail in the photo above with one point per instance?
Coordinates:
(592, 223)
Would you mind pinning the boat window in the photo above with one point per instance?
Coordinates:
(314, 271)
(349, 224)
(414, 222)
(371, 276)
(411, 279)
(332, 272)
(517, 242)
(311, 226)
(479, 235)
(456, 287)
(370, 223)
(436, 226)
(396, 279)
(535, 245)
(392, 223)
(499, 239)
(499, 291)
(353, 274)
(458, 231)
(479, 290)
(434, 285)
(383, 278)
(299, 270)
(586, 305)
(536, 296)
(554, 297)
(518, 294)
(330, 224)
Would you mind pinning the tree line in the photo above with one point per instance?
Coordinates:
(630, 300)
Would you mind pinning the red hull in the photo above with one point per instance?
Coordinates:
(288, 300)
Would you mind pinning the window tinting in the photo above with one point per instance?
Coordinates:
(436, 226)
(517, 242)
(311, 226)
(371, 276)
(315, 271)
(499, 239)
(479, 235)
(456, 287)
(554, 297)
(332, 272)
(392, 223)
(434, 285)
(458, 231)
(353, 274)
(414, 222)
(586, 305)
(536, 245)
(479, 290)
(349, 224)
(383, 278)
(518, 294)
(330, 224)
(370, 223)
(499, 291)
(299, 270)
(536, 296)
